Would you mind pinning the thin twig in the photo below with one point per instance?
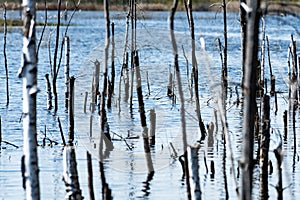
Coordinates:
(43, 31)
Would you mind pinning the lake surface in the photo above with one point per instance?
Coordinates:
(125, 169)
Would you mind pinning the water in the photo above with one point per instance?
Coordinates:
(125, 169)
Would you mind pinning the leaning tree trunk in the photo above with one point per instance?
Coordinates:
(28, 72)
(250, 99)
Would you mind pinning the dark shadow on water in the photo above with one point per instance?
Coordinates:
(146, 184)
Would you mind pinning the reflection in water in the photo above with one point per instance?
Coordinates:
(106, 191)
(146, 184)
(210, 139)
(210, 148)
(88, 24)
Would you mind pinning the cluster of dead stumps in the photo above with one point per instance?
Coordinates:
(256, 116)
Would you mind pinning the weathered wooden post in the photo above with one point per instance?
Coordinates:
(249, 90)
(28, 72)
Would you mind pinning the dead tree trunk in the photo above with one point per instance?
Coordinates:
(124, 71)
(104, 127)
(111, 82)
(90, 176)
(264, 147)
(28, 72)
(279, 157)
(4, 54)
(95, 86)
(71, 110)
(272, 77)
(294, 75)
(67, 69)
(49, 93)
(152, 126)
(142, 114)
(181, 96)
(107, 43)
(0, 132)
(195, 71)
(170, 92)
(70, 175)
(192, 154)
(54, 75)
(250, 100)
(224, 68)
(243, 23)
(113, 59)
(133, 47)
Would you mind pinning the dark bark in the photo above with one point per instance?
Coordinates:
(90, 176)
(224, 68)
(142, 114)
(243, 23)
(4, 54)
(264, 147)
(54, 75)
(71, 111)
(250, 100)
